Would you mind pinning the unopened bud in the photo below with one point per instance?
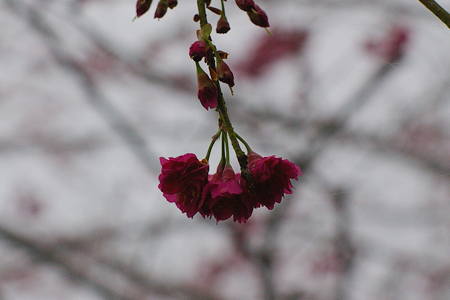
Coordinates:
(172, 3)
(245, 5)
(258, 17)
(161, 9)
(142, 7)
(207, 91)
(197, 50)
(224, 73)
(222, 25)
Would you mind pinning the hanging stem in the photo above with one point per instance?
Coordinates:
(214, 139)
(223, 7)
(202, 12)
(222, 110)
(247, 146)
(227, 148)
(224, 158)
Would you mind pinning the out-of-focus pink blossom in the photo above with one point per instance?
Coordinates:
(392, 47)
(269, 49)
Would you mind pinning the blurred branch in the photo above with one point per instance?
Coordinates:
(434, 164)
(42, 252)
(111, 278)
(323, 134)
(437, 10)
(343, 245)
(115, 118)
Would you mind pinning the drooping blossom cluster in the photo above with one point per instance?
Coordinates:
(184, 180)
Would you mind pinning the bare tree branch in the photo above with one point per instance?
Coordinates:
(104, 275)
(437, 10)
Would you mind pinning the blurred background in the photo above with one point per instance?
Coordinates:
(357, 93)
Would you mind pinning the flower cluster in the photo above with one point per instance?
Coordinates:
(184, 180)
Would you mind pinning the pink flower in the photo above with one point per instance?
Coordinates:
(224, 73)
(272, 177)
(197, 50)
(182, 180)
(224, 197)
(207, 91)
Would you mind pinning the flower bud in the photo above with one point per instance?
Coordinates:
(197, 50)
(245, 5)
(207, 91)
(222, 25)
(172, 3)
(224, 73)
(258, 17)
(142, 7)
(161, 9)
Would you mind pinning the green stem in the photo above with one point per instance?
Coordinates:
(223, 7)
(247, 146)
(224, 153)
(227, 148)
(213, 49)
(437, 10)
(214, 139)
(202, 12)
(222, 110)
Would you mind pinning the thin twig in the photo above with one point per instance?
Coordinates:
(437, 10)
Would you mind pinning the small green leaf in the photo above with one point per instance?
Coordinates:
(206, 31)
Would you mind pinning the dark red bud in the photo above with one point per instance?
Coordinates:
(142, 7)
(245, 5)
(197, 50)
(224, 73)
(258, 17)
(222, 25)
(207, 92)
(172, 3)
(161, 9)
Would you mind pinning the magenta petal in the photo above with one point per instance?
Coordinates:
(182, 180)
